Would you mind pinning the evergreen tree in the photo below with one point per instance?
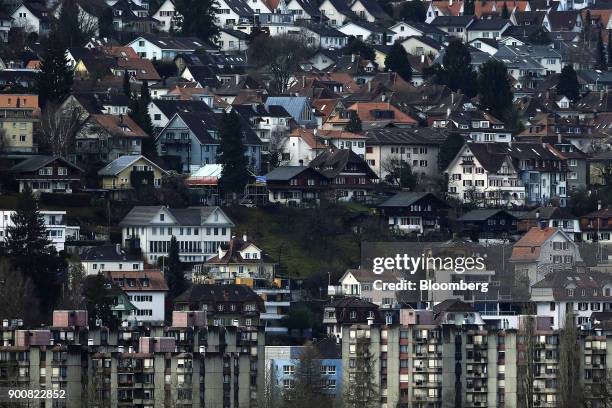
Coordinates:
(54, 81)
(568, 83)
(609, 48)
(175, 276)
(587, 28)
(356, 46)
(106, 28)
(457, 72)
(601, 53)
(230, 154)
(413, 11)
(139, 112)
(99, 299)
(68, 24)
(468, 8)
(449, 149)
(570, 390)
(505, 14)
(397, 61)
(539, 37)
(494, 88)
(361, 391)
(31, 251)
(354, 124)
(198, 19)
(308, 388)
(127, 90)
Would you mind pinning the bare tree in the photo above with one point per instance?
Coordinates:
(59, 127)
(280, 56)
(17, 297)
(526, 364)
(72, 289)
(570, 388)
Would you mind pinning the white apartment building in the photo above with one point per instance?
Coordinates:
(198, 230)
(58, 231)
(103, 258)
(146, 290)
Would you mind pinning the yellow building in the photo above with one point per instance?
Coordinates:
(127, 173)
(17, 133)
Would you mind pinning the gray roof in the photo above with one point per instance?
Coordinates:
(294, 105)
(404, 199)
(284, 173)
(108, 253)
(142, 215)
(36, 162)
(481, 214)
(120, 163)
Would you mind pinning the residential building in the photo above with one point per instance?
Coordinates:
(489, 224)
(348, 310)
(199, 231)
(225, 305)
(154, 47)
(596, 226)
(47, 174)
(58, 230)
(17, 130)
(281, 362)
(109, 257)
(555, 217)
(412, 212)
(106, 137)
(296, 185)
(542, 251)
(127, 174)
(146, 290)
(194, 138)
(514, 173)
(419, 147)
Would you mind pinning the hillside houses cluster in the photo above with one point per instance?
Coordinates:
(408, 160)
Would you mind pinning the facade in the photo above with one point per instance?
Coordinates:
(129, 173)
(193, 137)
(58, 231)
(508, 174)
(146, 290)
(410, 212)
(17, 127)
(47, 174)
(199, 230)
(132, 366)
(103, 258)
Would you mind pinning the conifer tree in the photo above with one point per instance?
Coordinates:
(494, 88)
(127, 89)
(505, 14)
(68, 24)
(601, 53)
(568, 83)
(361, 391)
(570, 389)
(457, 72)
(354, 124)
(31, 251)
(230, 154)
(397, 61)
(54, 81)
(175, 276)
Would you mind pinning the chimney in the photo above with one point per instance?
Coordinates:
(559, 138)
(244, 237)
(448, 112)
(118, 249)
(353, 57)
(598, 205)
(422, 58)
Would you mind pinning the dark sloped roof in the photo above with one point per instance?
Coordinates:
(488, 24)
(452, 306)
(460, 21)
(482, 214)
(36, 162)
(200, 123)
(331, 163)
(419, 136)
(285, 173)
(142, 215)
(171, 106)
(407, 198)
(108, 253)
(205, 293)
